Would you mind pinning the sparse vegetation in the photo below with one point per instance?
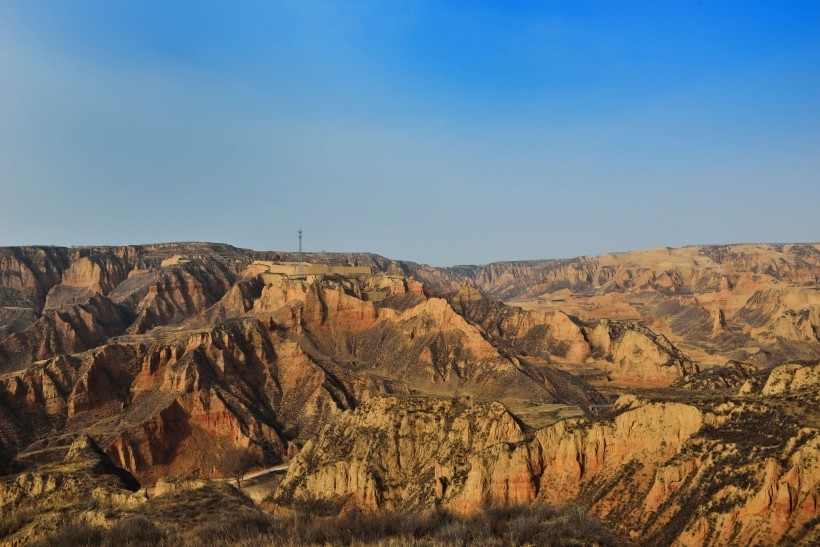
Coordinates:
(273, 372)
(234, 462)
(515, 525)
(14, 520)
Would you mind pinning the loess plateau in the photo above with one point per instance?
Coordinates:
(663, 397)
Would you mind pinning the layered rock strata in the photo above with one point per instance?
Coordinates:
(657, 471)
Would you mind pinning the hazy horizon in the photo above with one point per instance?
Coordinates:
(436, 265)
(423, 131)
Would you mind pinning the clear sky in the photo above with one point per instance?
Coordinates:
(440, 132)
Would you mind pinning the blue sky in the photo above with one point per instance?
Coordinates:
(440, 132)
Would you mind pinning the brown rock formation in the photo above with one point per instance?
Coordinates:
(766, 294)
(396, 453)
(717, 268)
(70, 329)
(27, 273)
(238, 383)
(792, 378)
(169, 355)
(288, 358)
(679, 293)
(84, 487)
(732, 375)
(661, 472)
(628, 352)
(173, 293)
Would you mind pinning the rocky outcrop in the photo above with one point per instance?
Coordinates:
(666, 270)
(641, 356)
(791, 313)
(392, 453)
(172, 294)
(71, 329)
(388, 326)
(573, 457)
(744, 302)
(628, 352)
(83, 488)
(28, 273)
(791, 378)
(659, 472)
(53, 299)
(85, 278)
(732, 375)
(750, 479)
(238, 384)
(381, 455)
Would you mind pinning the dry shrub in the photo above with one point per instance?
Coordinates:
(14, 520)
(78, 535)
(132, 532)
(513, 525)
(496, 526)
(246, 527)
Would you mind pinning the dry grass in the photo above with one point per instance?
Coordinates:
(519, 525)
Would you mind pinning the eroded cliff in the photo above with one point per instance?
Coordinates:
(422, 393)
(737, 473)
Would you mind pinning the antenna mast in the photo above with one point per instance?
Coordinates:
(299, 269)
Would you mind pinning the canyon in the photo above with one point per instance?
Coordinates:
(668, 394)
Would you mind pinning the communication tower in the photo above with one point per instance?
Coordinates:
(299, 269)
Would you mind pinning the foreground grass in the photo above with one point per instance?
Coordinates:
(519, 525)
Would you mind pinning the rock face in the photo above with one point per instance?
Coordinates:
(732, 375)
(70, 329)
(412, 389)
(58, 300)
(790, 378)
(399, 454)
(178, 402)
(659, 472)
(284, 359)
(28, 273)
(741, 302)
(84, 487)
(173, 293)
(478, 454)
(626, 351)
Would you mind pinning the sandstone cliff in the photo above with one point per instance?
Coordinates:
(664, 269)
(170, 355)
(84, 487)
(396, 453)
(742, 302)
(660, 472)
(70, 329)
(626, 351)
(239, 384)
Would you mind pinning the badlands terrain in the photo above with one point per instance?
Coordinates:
(652, 397)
